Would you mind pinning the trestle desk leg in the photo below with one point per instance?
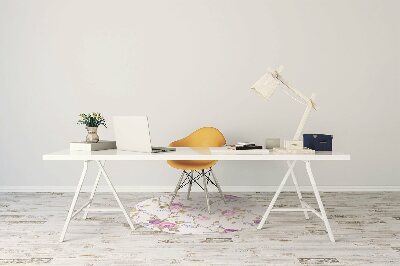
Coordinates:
(320, 205)
(71, 209)
(298, 191)
(96, 182)
(278, 191)
(115, 195)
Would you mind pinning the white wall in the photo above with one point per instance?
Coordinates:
(188, 64)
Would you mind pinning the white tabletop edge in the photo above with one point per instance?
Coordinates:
(188, 154)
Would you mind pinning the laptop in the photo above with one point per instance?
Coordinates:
(132, 133)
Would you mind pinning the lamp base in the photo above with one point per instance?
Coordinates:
(293, 151)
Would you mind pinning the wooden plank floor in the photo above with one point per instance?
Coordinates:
(366, 226)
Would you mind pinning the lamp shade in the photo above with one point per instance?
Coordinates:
(267, 84)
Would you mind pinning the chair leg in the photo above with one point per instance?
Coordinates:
(206, 190)
(177, 188)
(190, 184)
(217, 183)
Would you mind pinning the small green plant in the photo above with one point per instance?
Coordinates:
(92, 120)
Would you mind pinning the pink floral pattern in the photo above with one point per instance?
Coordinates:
(191, 216)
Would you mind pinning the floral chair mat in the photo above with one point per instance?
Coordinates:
(191, 216)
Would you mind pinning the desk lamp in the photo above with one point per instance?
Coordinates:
(266, 86)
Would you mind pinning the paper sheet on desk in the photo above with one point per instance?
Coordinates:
(226, 150)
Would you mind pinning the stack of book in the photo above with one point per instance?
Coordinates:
(247, 146)
(98, 146)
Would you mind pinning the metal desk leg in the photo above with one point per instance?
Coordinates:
(115, 195)
(271, 205)
(320, 205)
(298, 191)
(71, 209)
(96, 182)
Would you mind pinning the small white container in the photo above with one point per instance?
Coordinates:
(271, 143)
(293, 144)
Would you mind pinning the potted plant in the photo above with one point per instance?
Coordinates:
(92, 121)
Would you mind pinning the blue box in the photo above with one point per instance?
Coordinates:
(318, 142)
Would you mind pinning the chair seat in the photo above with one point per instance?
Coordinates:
(191, 164)
(203, 137)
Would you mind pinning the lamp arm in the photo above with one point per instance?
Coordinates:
(297, 92)
(309, 102)
(310, 105)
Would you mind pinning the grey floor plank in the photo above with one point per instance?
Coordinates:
(366, 226)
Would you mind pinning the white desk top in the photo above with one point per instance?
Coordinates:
(189, 154)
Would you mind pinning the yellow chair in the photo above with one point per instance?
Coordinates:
(194, 170)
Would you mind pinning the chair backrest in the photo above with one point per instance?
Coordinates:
(203, 137)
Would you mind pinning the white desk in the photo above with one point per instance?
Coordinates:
(100, 157)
